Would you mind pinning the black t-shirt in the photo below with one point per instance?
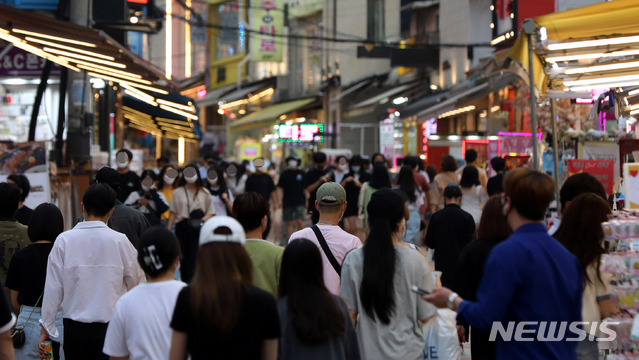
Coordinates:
(130, 182)
(258, 321)
(28, 271)
(260, 183)
(23, 215)
(352, 193)
(292, 182)
(5, 312)
(309, 179)
(495, 185)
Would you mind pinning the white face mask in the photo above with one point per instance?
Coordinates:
(271, 172)
(343, 167)
(213, 182)
(122, 165)
(144, 188)
(169, 180)
(292, 164)
(191, 180)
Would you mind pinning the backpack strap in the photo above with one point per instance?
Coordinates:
(327, 250)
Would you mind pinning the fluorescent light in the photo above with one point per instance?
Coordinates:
(493, 138)
(495, 108)
(633, 92)
(66, 40)
(453, 137)
(180, 145)
(593, 43)
(457, 111)
(176, 105)
(131, 93)
(187, 41)
(66, 54)
(138, 92)
(472, 137)
(106, 70)
(634, 112)
(612, 79)
(260, 95)
(220, 111)
(138, 86)
(597, 55)
(400, 100)
(70, 48)
(433, 87)
(434, 137)
(595, 68)
(113, 78)
(179, 112)
(168, 42)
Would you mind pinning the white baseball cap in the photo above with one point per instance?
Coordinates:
(212, 231)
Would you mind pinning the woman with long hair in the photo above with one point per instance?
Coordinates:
(221, 314)
(380, 179)
(492, 230)
(221, 195)
(165, 185)
(581, 233)
(474, 195)
(26, 277)
(376, 284)
(406, 183)
(352, 184)
(190, 201)
(236, 180)
(446, 177)
(147, 199)
(315, 323)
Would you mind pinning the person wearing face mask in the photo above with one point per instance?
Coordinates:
(236, 178)
(148, 200)
(166, 185)
(313, 180)
(352, 184)
(341, 169)
(291, 189)
(130, 181)
(191, 202)
(222, 197)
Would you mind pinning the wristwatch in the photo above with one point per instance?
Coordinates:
(451, 301)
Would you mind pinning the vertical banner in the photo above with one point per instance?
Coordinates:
(603, 170)
(268, 20)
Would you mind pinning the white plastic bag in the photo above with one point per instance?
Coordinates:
(440, 336)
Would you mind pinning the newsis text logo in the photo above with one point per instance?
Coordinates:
(553, 331)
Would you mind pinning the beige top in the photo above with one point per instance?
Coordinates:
(440, 182)
(593, 293)
(483, 176)
(182, 208)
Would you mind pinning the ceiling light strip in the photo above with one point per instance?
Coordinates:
(593, 43)
(131, 93)
(66, 40)
(179, 112)
(69, 48)
(601, 80)
(98, 68)
(118, 79)
(605, 67)
(597, 55)
(176, 105)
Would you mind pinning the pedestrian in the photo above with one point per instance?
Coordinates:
(262, 183)
(445, 177)
(221, 195)
(148, 200)
(22, 182)
(291, 188)
(236, 178)
(495, 185)
(376, 281)
(341, 168)
(530, 278)
(334, 242)
(313, 179)
(492, 230)
(449, 230)
(7, 321)
(379, 180)
(140, 325)
(378, 158)
(581, 233)
(124, 219)
(221, 312)
(160, 163)
(26, 279)
(190, 206)
(474, 195)
(13, 235)
(129, 180)
(352, 184)
(89, 268)
(315, 323)
(251, 210)
(406, 183)
(471, 160)
(166, 185)
(422, 182)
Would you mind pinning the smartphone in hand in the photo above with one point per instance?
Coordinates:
(419, 291)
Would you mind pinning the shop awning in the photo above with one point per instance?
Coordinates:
(270, 114)
(79, 48)
(423, 103)
(449, 104)
(213, 97)
(243, 92)
(388, 94)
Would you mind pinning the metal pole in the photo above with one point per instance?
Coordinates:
(555, 151)
(361, 140)
(533, 103)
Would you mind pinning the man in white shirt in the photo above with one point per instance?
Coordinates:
(331, 204)
(89, 268)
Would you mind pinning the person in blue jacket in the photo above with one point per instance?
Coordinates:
(531, 282)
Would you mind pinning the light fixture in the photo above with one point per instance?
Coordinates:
(433, 87)
(118, 79)
(188, 56)
(131, 93)
(106, 70)
(67, 54)
(150, 88)
(134, 19)
(181, 150)
(512, 15)
(633, 92)
(179, 112)
(453, 137)
(261, 94)
(593, 43)
(233, 104)
(176, 105)
(497, 40)
(597, 55)
(396, 113)
(70, 48)
(138, 92)
(605, 67)
(400, 100)
(434, 137)
(543, 33)
(492, 7)
(612, 80)
(495, 108)
(241, 111)
(66, 40)
(457, 111)
(492, 25)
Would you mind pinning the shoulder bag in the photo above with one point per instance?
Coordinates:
(195, 221)
(327, 250)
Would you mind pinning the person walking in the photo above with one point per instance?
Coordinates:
(376, 281)
(221, 312)
(352, 184)
(148, 200)
(236, 178)
(22, 182)
(89, 268)
(444, 178)
(129, 180)
(262, 183)
(291, 188)
(379, 180)
(7, 321)
(26, 279)
(139, 328)
(315, 323)
(190, 206)
(495, 185)
(406, 183)
(474, 195)
(165, 185)
(471, 160)
(220, 193)
(313, 179)
(334, 242)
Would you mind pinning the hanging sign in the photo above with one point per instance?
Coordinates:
(268, 20)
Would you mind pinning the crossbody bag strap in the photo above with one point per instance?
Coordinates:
(188, 203)
(327, 250)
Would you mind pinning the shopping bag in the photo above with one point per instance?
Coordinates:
(440, 337)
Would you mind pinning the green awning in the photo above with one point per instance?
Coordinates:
(269, 114)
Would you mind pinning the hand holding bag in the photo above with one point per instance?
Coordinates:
(440, 336)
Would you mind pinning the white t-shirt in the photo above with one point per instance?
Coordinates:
(339, 241)
(140, 326)
(473, 201)
(220, 205)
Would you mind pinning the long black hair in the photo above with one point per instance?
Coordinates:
(385, 211)
(406, 182)
(161, 183)
(380, 178)
(312, 309)
(221, 182)
(470, 177)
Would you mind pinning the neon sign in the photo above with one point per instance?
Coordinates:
(301, 133)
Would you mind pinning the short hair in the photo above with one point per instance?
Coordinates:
(249, 209)
(128, 153)
(319, 157)
(530, 192)
(579, 184)
(329, 209)
(498, 163)
(98, 199)
(10, 195)
(158, 249)
(470, 155)
(22, 182)
(46, 223)
(150, 173)
(452, 191)
(162, 159)
(448, 163)
(356, 160)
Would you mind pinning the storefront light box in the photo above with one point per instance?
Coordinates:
(301, 132)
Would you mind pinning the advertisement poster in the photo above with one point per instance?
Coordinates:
(601, 151)
(29, 159)
(603, 170)
(631, 185)
(268, 20)
(250, 151)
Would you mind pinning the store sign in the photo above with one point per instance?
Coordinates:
(603, 170)
(386, 138)
(301, 133)
(268, 21)
(250, 151)
(601, 151)
(19, 63)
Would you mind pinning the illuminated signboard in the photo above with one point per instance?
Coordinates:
(301, 132)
